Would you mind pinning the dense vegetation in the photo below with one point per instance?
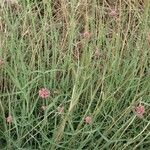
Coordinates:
(75, 74)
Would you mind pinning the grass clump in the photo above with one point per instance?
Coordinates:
(74, 74)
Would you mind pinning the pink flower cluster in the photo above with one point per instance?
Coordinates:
(88, 120)
(44, 93)
(139, 110)
(113, 13)
(9, 119)
(87, 34)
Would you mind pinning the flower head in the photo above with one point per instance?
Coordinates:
(44, 93)
(9, 119)
(87, 34)
(113, 13)
(88, 120)
(139, 111)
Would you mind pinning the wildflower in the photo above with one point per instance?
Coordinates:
(139, 111)
(113, 13)
(88, 120)
(44, 93)
(60, 109)
(43, 108)
(87, 34)
(9, 119)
